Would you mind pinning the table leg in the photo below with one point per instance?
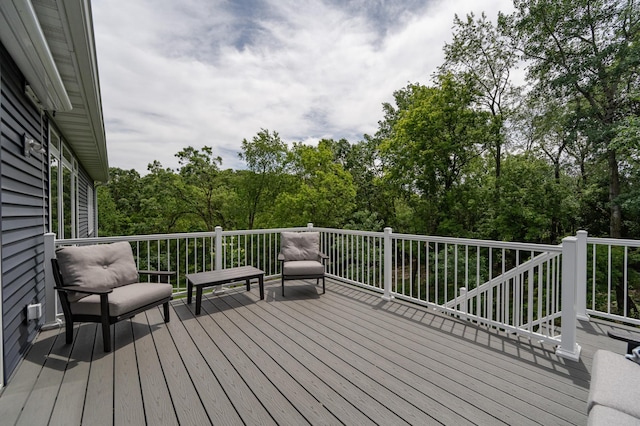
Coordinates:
(189, 291)
(261, 284)
(248, 284)
(198, 299)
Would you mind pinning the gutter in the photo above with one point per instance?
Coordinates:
(23, 37)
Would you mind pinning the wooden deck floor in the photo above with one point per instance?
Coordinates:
(345, 357)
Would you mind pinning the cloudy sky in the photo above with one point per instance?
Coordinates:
(214, 72)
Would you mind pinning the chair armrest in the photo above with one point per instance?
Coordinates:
(323, 257)
(85, 290)
(162, 276)
(281, 257)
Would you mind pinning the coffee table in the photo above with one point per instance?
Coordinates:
(200, 280)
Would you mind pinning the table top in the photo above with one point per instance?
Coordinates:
(241, 272)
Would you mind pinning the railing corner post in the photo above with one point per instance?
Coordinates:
(387, 264)
(218, 248)
(569, 348)
(581, 276)
(310, 225)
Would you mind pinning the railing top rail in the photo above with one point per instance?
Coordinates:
(350, 232)
(613, 241)
(425, 238)
(184, 235)
(482, 243)
(452, 240)
(267, 231)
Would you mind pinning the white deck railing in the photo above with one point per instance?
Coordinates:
(612, 275)
(511, 286)
(527, 289)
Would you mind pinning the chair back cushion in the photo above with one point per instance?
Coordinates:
(97, 266)
(300, 245)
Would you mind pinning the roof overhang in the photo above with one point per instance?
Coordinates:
(52, 42)
(22, 35)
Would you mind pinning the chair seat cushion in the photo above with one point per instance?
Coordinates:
(303, 267)
(614, 383)
(601, 416)
(123, 299)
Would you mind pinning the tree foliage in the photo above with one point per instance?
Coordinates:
(466, 154)
(589, 50)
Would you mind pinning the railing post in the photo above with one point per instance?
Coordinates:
(218, 248)
(569, 348)
(309, 225)
(50, 318)
(387, 263)
(581, 276)
(462, 306)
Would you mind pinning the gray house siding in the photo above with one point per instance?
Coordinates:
(24, 212)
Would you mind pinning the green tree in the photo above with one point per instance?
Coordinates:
(532, 202)
(321, 190)
(482, 57)
(431, 143)
(265, 156)
(203, 188)
(119, 203)
(585, 49)
(165, 212)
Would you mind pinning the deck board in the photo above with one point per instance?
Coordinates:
(15, 397)
(422, 385)
(478, 368)
(266, 393)
(350, 360)
(239, 393)
(400, 343)
(246, 335)
(128, 407)
(154, 376)
(343, 357)
(100, 383)
(359, 390)
(279, 347)
(40, 404)
(71, 395)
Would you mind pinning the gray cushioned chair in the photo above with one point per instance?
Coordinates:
(100, 283)
(300, 257)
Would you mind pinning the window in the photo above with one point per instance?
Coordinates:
(63, 189)
(90, 210)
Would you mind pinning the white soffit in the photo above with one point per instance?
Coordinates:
(68, 29)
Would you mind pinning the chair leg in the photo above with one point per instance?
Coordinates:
(283, 286)
(323, 289)
(106, 336)
(104, 313)
(68, 325)
(166, 312)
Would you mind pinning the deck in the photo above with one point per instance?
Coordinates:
(345, 357)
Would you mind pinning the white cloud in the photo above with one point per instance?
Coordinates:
(197, 72)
